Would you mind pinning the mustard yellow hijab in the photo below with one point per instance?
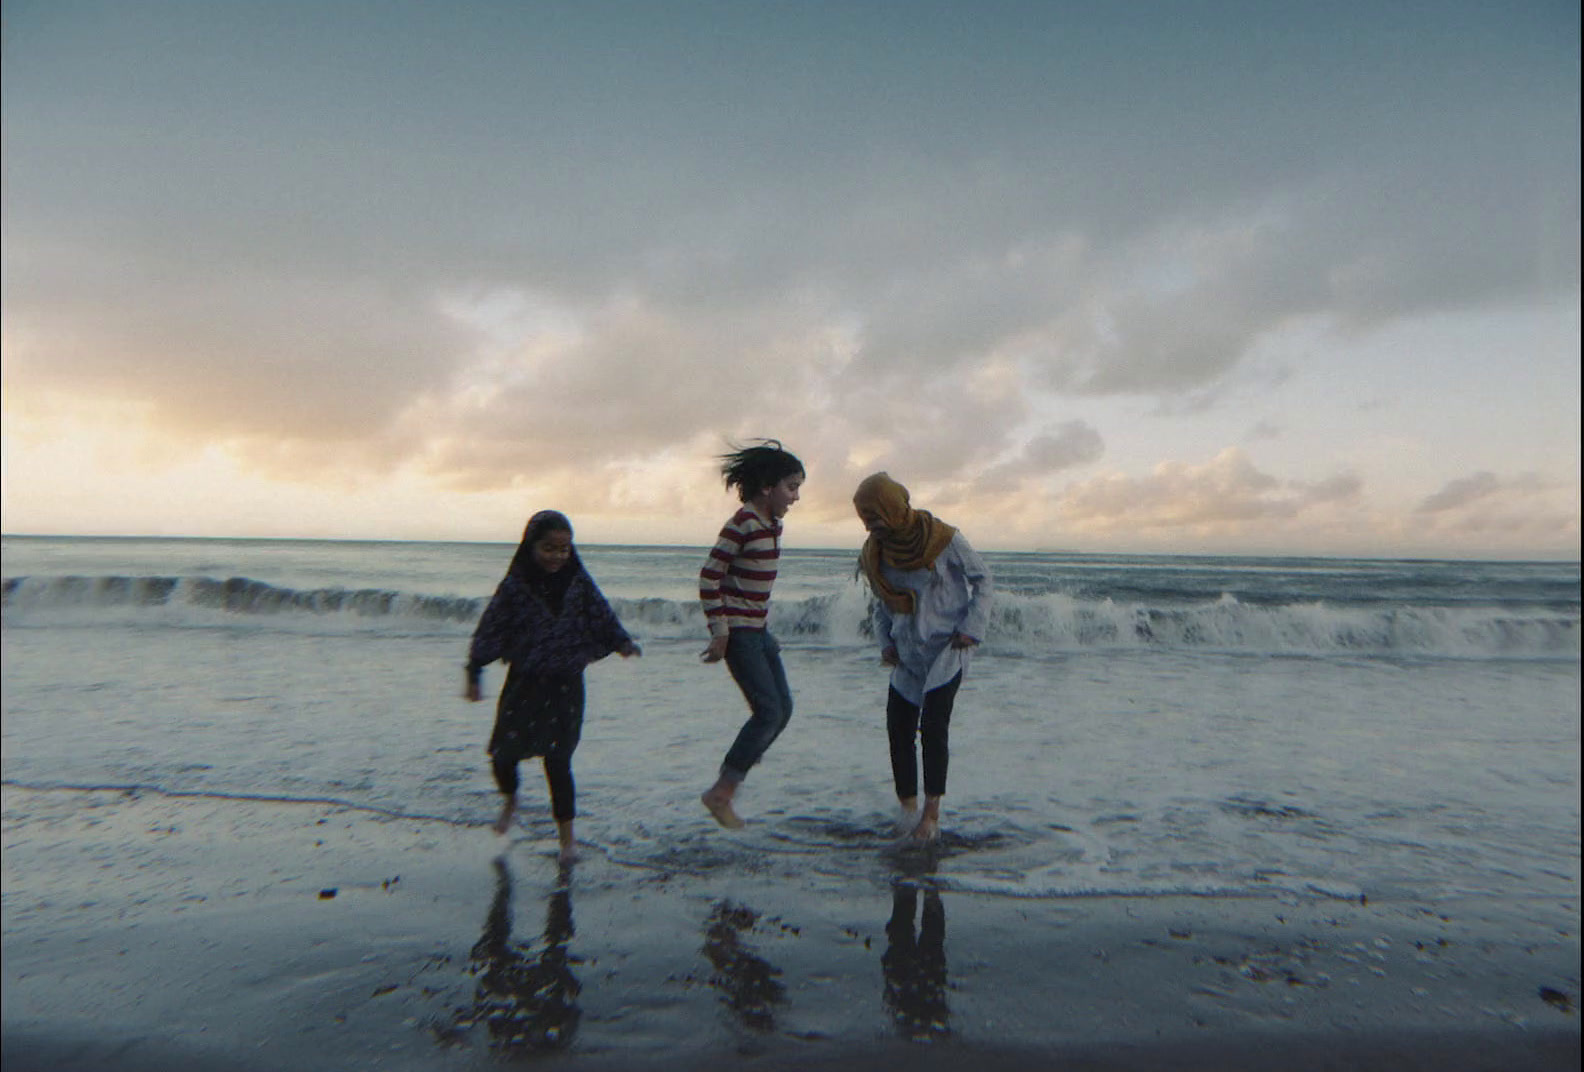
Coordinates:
(914, 538)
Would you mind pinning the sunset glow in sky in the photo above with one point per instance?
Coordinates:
(1158, 276)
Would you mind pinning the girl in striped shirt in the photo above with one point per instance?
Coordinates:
(734, 587)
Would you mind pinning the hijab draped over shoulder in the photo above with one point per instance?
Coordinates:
(913, 538)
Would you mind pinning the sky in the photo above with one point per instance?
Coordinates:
(1157, 277)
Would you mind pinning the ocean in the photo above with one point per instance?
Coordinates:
(1131, 724)
(1288, 730)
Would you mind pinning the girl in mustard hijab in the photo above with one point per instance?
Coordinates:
(932, 593)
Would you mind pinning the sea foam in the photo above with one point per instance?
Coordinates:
(1021, 624)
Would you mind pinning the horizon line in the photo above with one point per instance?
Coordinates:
(1529, 558)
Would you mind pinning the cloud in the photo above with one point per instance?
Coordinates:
(1224, 494)
(1460, 492)
(222, 353)
(1486, 506)
(575, 248)
(1068, 445)
(1468, 490)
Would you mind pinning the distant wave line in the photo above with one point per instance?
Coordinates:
(238, 595)
(1022, 623)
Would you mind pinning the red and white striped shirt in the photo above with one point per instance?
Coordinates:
(734, 584)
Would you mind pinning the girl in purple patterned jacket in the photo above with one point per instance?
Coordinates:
(548, 620)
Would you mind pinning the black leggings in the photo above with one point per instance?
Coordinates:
(931, 726)
(558, 772)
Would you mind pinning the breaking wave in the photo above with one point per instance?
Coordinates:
(1022, 624)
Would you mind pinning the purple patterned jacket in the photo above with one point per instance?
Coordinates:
(519, 627)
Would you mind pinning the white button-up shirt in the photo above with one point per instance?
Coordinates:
(953, 596)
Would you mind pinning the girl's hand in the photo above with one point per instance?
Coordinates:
(472, 692)
(716, 650)
(889, 657)
(963, 640)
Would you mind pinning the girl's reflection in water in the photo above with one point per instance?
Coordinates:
(749, 985)
(915, 965)
(526, 998)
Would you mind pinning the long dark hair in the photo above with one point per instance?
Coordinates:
(752, 469)
(540, 525)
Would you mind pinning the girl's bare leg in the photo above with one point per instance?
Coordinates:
(908, 817)
(928, 828)
(508, 810)
(718, 799)
(568, 853)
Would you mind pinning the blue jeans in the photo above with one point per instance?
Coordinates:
(754, 659)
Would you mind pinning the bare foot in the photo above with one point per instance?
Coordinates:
(926, 832)
(508, 810)
(907, 817)
(720, 806)
(567, 836)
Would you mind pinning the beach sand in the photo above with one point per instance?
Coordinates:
(147, 931)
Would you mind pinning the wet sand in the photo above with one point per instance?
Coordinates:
(143, 931)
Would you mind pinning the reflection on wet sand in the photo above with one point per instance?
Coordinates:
(914, 964)
(527, 999)
(749, 985)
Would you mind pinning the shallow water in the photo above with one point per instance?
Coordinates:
(149, 931)
(1236, 761)
(1267, 806)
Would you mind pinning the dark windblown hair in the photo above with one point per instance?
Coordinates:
(752, 469)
